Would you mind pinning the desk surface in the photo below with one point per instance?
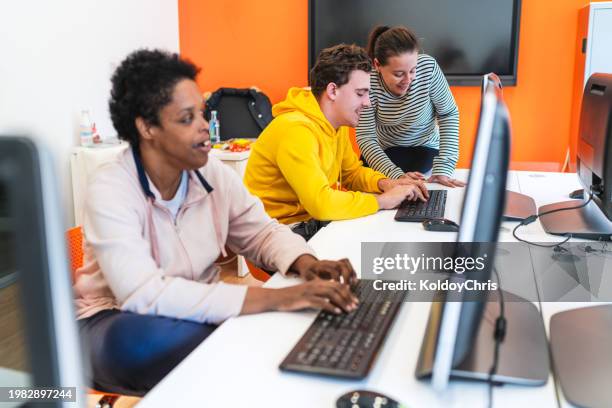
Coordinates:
(225, 363)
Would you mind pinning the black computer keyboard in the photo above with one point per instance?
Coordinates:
(416, 211)
(346, 345)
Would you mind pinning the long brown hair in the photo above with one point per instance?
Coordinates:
(385, 42)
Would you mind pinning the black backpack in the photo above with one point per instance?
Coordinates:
(242, 113)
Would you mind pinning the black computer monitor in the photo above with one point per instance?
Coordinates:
(580, 339)
(594, 168)
(458, 342)
(594, 161)
(39, 346)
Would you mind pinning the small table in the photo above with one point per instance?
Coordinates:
(238, 162)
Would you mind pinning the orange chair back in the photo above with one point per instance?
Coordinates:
(256, 272)
(74, 241)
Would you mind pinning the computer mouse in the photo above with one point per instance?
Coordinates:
(577, 194)
(440, 224)
(366, 399)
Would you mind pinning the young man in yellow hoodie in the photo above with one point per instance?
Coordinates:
(303, 160)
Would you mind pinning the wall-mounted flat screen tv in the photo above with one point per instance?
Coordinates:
(468, 38)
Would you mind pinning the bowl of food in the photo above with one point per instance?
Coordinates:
(234, 145)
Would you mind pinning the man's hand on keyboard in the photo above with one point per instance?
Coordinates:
(388, 184)
(393, 198)
(308, 267)
(328, 295)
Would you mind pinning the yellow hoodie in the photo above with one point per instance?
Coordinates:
(299, 160)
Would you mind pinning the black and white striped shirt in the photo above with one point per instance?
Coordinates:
(410, 120)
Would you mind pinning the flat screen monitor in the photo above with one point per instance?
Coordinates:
(468, 38)
(518, 206)
(39, 345)
(594, 161)
(491, 79)
(593, 218)
(480, 221)
(457, 342)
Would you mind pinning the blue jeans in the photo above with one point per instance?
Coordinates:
(411, 158)
(130, 353)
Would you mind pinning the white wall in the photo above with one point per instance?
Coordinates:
(56, 58)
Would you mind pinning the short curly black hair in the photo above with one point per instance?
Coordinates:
(335, 64)
(141, 86)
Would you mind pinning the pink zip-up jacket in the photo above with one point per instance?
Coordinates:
(137, 259)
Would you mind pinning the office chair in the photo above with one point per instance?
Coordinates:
(257, 273)
(74, 242)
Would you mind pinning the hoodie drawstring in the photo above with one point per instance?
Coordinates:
(217, 227)
(150, 197)
(153, 233)
(215, 216)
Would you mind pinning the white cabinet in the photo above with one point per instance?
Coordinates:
(83, 163)
(236, 160)
(597, 45)
(593, 54)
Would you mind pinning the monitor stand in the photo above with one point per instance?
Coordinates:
(580, 342)
(588, 222)
(523, 355)
(518, 206)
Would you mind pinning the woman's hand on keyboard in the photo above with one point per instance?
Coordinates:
(446, 181)
(414, 175)
(319, 294)
(308, 267)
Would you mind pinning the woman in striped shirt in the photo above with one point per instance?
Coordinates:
(412, 126)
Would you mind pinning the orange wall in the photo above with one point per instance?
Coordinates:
(241, 43)
(265, 43)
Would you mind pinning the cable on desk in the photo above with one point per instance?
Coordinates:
(499, 334)
(604, 250)
(532, 218)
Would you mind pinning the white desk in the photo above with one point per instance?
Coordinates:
(226, 370)
(548, 188)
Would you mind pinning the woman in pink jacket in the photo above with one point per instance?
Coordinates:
(154, 225)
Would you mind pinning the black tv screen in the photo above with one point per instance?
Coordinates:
(468, 38)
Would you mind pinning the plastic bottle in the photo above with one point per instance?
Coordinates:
(85, 130)
(97, 139)
(214, 128)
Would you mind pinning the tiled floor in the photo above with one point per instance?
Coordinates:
(122, 402)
